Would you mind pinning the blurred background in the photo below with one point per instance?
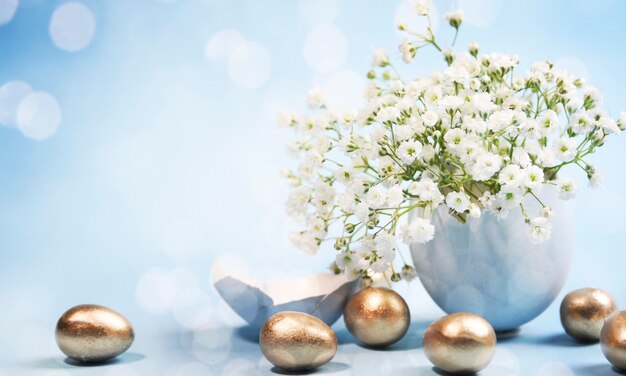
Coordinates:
(138, 147)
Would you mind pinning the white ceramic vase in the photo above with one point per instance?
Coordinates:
(490, 266)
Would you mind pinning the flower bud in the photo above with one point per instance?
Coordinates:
(349, 228)
(473, 49)
(454, 18)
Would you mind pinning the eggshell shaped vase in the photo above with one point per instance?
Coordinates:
(490, 266)
(321, 295)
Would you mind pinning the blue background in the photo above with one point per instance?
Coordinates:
(161, 148)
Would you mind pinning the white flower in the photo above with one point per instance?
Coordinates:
(297, 201)
(362, 212)
(540, 229)
(481, 102)
(347, 201)
(511, 174)
(421, 6)
(404, 132)
(380, 58)
(546, 157)
(386, 114)
(581, 122)
(509, 196)
(546, 212)
(596, 179)
(458, 201)
(565, 148)
(454, 138)
(567, 188)
(345, 174)
(520, 156)
(475, 125)
(426, 190)
(548, 122)
(286, 118)
(609, 125)
(385, 245)
(408, 151)
(316, 98)
(451, 102)
(454, 18)
(346, 261)
(531, 130)
(375, 198)
(533, 177)
(408, 273)
(395, 196)
(305, 242)
(432, 95)
(487, 164)
(474, 210)
(323, 196)
(419, 230)
(486, 199)
(430, 118)
(428, 152)
(408, 50)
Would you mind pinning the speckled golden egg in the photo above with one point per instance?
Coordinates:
(613, 339)
(93, 333)
(460, 343)
(583, 313)
(377, 316)
(296, 341)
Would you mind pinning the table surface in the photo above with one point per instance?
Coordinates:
(541, 348)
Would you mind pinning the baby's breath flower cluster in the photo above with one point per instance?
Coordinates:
(476, 136)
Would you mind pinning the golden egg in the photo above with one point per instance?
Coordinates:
(460, 343)
(296, 341)
(92, 333)
(583, 313)
(377, 316)
(613, 339)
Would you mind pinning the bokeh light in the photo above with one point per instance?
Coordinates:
(344, 90)
(222, 44)
(29, 3)
(192, 309)
(11, 94)
(612, 205)
(210, 346)
(38, 116)
(318, 11)
(7, 10)
(158, 288)
(72, 26)
(480, 13)
(249, 65)
(183, 239)
(325, 48)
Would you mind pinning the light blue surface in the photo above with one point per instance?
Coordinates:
(160, 149)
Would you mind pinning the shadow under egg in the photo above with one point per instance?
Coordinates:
(329, 368)
(121, 359)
